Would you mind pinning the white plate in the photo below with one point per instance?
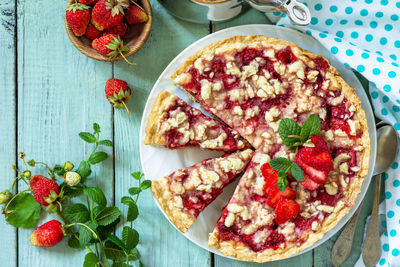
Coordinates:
(158, 162)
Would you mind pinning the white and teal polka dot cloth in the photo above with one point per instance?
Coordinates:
(365, 36)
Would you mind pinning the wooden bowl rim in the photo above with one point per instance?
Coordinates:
(133, 48)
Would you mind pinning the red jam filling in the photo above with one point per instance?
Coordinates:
(286, 56)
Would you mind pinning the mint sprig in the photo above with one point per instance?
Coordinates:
(293, 135)
(283, 166)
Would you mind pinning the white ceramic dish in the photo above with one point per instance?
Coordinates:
(158, 162)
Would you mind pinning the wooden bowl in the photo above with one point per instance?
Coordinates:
(135, 37)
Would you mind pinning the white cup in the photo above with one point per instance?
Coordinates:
(219, 10)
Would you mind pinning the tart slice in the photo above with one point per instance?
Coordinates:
(175, 124)
(185, 193)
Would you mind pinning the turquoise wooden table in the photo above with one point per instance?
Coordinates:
(50, 92)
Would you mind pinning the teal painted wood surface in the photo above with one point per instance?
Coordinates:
(59, 92)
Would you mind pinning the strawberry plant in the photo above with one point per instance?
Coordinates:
(89, 225)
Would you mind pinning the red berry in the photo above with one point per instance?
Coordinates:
(78, 16)
(118, 93)
(47, 235)
(309, 183)
(285, 210)
(316, 175)
(93, 33)
(274, 194)
(88, 2)
(135, 14)
(41, 188)
(108, 13)
(119, 29)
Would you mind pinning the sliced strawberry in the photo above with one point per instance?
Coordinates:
(270, 177)
(319, 145)
(275, 194)
(309, 183)
(322, 161)
(286, 209)
(318, 176)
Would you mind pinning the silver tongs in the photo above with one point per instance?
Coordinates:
(297, 12)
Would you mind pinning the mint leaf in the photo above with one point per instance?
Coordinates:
(105, 143)
(145, 184)
(311, 126)
(288, 128)
(88, 137)
(23, 211)
(280, 164)
(134, 190)
(130, 237)
(297, 172)
(133, 212)
(108, 216)
(98, 157)
(282, 183)
(90, 260)
(85, 235)
(76, 213)
(137, 175)
(84, 169)
(95, 194)
(96, 128)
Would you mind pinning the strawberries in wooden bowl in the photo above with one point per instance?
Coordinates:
(108, 30)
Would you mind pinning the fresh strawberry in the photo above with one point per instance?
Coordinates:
(119, 29)
(88, 2)
(270, 176)
(285, 210)
(108, 13)
(135, 14)
(93, 33)
(118, 93)
(322, 161)
(47, 235)
(320, 145)
(111, 45)
(78, 16)
(309, 183)
(42, 188)
(274, 194)
(316, 175)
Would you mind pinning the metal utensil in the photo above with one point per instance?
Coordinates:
(386, 154)
(296, 11)
(342, 247)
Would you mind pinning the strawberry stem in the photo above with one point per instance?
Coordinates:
(127, 109)
(127, 61)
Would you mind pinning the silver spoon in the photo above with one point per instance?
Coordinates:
(342, 247)
(387, 150)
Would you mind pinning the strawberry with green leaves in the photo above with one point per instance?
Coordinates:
(47, 235)
(108, 13)
(78, 17)
(111, 45)
(118, 93)
(135, 14)
(45, 191)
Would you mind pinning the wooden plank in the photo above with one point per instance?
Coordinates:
(160, 243)
(60, 94)
(8, 235)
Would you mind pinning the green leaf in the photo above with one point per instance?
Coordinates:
(59, 170)
(133, 212)
(134, 190)
(98, 157)
(73, 242)
(119, 264)
(97, 210)
(145, 184)
(297, 172)
(117, 241)
(23, 211)
(88, 137)
(280, 164)
(288, 127)
(130, 237)
(127, 200)
(90, 260)
(95, 194)
(96, 128)
(76, 213)
(311, 126)
(107, 216)
(71, 191)
(85, 235)
(282, 183)
(105, 143)
(84, 169)
(137, 175)
(114, 252)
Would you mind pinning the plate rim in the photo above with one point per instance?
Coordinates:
(372, 133)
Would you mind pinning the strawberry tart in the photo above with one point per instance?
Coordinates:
(310, 138)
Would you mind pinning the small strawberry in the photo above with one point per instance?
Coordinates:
(111, 45)
(72, 178)
(108, 13)
(92, 33)
(47, 235)
(118, 93)
(5, 196)
(119, 29)
(42, 188)
(88, 2)
(285, 210)
(135, 14)
(78, 16)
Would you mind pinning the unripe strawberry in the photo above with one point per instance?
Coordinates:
(72, 178)
(5, 196)
(27, 173)
(47, 235)
(68, 166)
